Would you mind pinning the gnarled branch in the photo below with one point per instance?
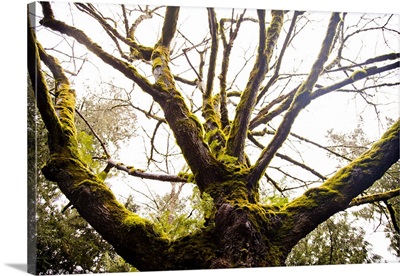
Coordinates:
(336, 194)
(301, 99)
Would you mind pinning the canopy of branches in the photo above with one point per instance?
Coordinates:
(250, 110)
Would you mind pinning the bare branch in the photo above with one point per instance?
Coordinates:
(274, 78)
(128, 70)
(274, 184)
(142, 52)
(145, 175)
(225, 65)
(103, 145)
(393, 216)
(357, 75)
(290, 160)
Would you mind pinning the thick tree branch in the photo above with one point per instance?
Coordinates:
(169, 26)
(188, 131)
(212, 123)
(336, 194)
(128, 70)
(42, 95)
(301, 100)
(213, 128)
(64, 107)
(132, 237)
(267, 42)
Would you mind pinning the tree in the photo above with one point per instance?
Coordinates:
(219, 132)
(384, 211)
(61, 240)
(333, 242)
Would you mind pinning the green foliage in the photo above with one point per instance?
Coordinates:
(67, 244)
(173, 216)
(333, 242)
(275, 200)
(62, 243)
(110, 115)
(352, 145)
(85, 147)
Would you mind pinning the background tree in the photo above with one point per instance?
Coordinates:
(333, 242)
(384, 212)
(232, 121)
(61, 241)
(336, 241)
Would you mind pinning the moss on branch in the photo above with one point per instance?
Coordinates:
(267, 41)
(125, 68)
(39, 85)
(375, 197)
(336, 194)
(161, 71)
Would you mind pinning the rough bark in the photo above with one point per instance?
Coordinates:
(267, 42)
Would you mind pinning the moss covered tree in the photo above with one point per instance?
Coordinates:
(229, 128)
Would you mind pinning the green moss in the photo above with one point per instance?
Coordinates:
(302, 202)
(193, 252)
(131, 169)
(102, 175)
(312, 198)
(132, 220)
(157, 62)
(198, 124)
(188, 176)
(230, 191)
(161, 71)
(321, 193)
